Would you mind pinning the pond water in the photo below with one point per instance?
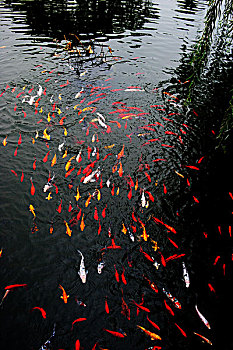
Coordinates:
(100, 154)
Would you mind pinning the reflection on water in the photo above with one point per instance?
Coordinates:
(58, 18)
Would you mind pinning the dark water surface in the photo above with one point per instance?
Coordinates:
(151, 145)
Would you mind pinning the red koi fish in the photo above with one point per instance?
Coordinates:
(77, 343)
(22, 177)
(192, 167)
(13, 172)
(46, 157)
(172, 242)
(116, 274)
(141, 307)
(152, 323)
(59, 208)
(113, 246)
(170, 228)
(20, 139)
(13, 286)
(123, 276)
(15, 152)
(146, 255)
(116, 334)
(168, 308)
(181, 330)
(78, 320)
(32, 188)
(43, 313)
(106, 306)
(173, 257)
(104, 212)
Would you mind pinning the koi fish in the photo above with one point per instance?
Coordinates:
(13, 286)
(121, 154)
(32, 210)
(141, 307)
(89, 178)
(54, 160)
(152, 323)
(170, 228)
(82, 225)
(64, 296)
(185, 275)
(68, 230)
(82, 272)
(204, 338)
(46, 157)
(173, 299)
(106, 306)
(49, 184)
(4, 142)
(78, 320)
(182, 331)
(116, 334)
(204, 320)
(32, 188)
(4, 296)
(43, 313)
(116, 274)
(153, 336)
(45, 135)
(143, 199)
(168, 308)
(59, 207)
(77, 195)
(49, 197)
(100, 267)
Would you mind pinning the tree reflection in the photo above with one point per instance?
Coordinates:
(61, 17)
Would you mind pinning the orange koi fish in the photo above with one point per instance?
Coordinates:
(43, 313)
(68, 230)
(64, 296)
(116, 334)
(120, 171)
(4, 296)
(153, 336)
(152, 285)
(67, 166)
(121, 154)
(82, 225)
(88, 200)
(32, 188)
(204, 338)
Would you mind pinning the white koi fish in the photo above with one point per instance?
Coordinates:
(100, 267)
(204, 320)
(60, 147)
(89, 178)
(48, 185)
(173, 299)
(79, 93)
(29, 99)
(39, 92)
(82, 272)
(79, 155)
(143, 199)
(186, 275)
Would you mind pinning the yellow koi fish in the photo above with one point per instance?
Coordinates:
(68, 164)
(4, 142)
(45, 135)
(68, 230)
(77, 195)
(49, 197)
(32, 210)
(153, 336)
(88, 200)
(54, 160)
